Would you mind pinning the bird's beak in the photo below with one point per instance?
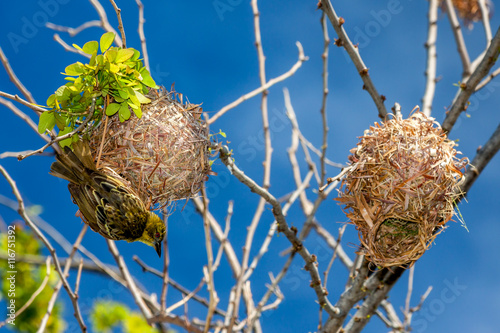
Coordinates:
(158, 248)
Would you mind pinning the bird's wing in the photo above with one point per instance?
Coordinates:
(120, 213)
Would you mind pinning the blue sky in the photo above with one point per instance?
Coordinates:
(210, 56)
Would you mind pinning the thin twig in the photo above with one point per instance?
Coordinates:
(29, 222)
(186, 298)
(407, 315)
(78, 277)
(69, 48)
(166, 262)
(63, 282)
(292, 152)
(266, 163)
(430, 45)
(468, 87)
(209, 276)
(272, 289)
(16, 98)
(104, 21)
(332, 242)
(334, 255)
(485, 16)
(482, 158)
(392, 317)
(65, 136)
(14, 79)
(487, 80)
(130, 281)
(324, 119)
(459, 38)
(270, 83)
(226, 234)
(219, 235)
(176, 285)
(353, 53)
(72, 32)
(284, 228)
(24, 117)
(36, 293)
(120, 23)
(140, 31)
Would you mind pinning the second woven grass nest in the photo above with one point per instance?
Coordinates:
(401, 187)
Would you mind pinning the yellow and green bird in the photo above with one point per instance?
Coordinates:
(108, 206)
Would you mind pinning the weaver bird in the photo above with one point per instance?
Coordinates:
(108, 206)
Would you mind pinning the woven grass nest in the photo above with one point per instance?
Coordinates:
(401, 187)
(468, 10)
(164, 154)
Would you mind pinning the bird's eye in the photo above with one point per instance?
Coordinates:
(157, 235)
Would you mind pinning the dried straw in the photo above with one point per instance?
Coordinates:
(401, 187)
(468, 10)
(164, 154)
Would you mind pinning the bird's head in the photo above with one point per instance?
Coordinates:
(154, 232)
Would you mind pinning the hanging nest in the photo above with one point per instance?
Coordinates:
(164, 155)
(468, 10)
(401, 187)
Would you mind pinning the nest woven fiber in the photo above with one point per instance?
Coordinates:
(469, 10)
(164, 154)
(401, 187)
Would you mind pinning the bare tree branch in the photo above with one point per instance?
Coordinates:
(310, 260)
(269, 84)
(353, 51)
(459, 38)
(467, 88)
(430, 45)
(482, 158)
(14, 79)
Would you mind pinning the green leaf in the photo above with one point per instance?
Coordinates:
(74, 69)
(124, 54)
(90, 47)
(135, 100)
(61, 121)
(133, 106)
(123, 94)
(92, 59)
(147, 79)
(46, 122)
(107, 314)
(136, 55)
(100, 59)
(106, 41)
(63, 93)
(77, 47)
(124, 112)
(51, 100)
(112, 108)
(111, 54)
(68, 141)
(138, 112)
(135, 322)
(114, 68)
(142, 99)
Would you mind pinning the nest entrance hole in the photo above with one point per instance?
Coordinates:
(395, 237)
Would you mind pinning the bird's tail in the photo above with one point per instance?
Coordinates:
(73, 165)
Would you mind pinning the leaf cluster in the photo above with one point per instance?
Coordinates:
(116, 80)
(27, 280)
(106, 315)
